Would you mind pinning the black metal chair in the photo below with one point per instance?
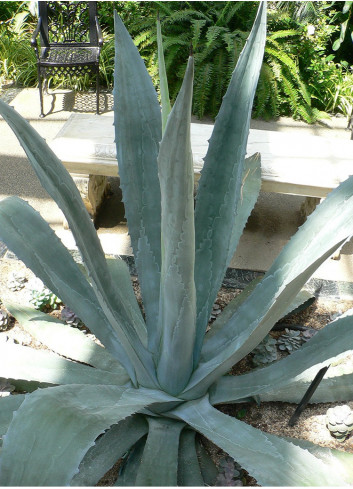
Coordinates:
(70, 41)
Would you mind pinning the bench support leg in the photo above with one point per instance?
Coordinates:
(93, 190)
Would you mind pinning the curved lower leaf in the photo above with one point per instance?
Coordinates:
(8, 405)
(189, 472)
(337, 388)
(208, 468)
(25, 363)
(177, 316)
(159, 463)
(108, 449)
(128, 472)
(319, 351)
(43, 252)
(63, 421)
(271, 460)
(63, 339)
(342, 461)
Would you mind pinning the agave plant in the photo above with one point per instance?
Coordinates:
(156, 382)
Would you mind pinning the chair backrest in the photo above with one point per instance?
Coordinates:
(68, 23)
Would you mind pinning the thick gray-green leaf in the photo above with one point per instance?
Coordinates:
(121, 276)
(22, 362)
(64, 422)
(8, 405)
(249, 191)
(63, 339)
(331, 341)
(315, 241)
(43, 252)
(335, 388)
(189, 472)
(138, 132)
(232, 307)
(163, 81)
(208, 468)
(58, 183)
(342, 461)
(177, 314)
(128, 471)
(159, 463)
(108, 449)
(303, 299)
(219, 215)
(271, 460)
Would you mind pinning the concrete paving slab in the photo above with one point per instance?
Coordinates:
(274, 220)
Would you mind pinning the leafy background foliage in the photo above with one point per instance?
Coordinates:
(303, 76)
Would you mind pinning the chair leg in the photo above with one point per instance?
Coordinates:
(97, 91)
(40, 87)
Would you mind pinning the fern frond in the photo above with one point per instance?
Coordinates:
(282, 34)
(180, 16)
(284, 59)
(228, 12)
(203, 85)
(213, 33)
(220, 80)
(197, 26)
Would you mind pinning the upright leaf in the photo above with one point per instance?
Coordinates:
(58, 183)
(138, 133)
(177, 295)
(316, 240)
(163, 82)
(220, 194)
(249, 192)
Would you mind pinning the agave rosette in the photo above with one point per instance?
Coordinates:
(155, 382)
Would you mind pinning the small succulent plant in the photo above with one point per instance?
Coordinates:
(4, 320)
(230, 473)
(290, 341)
(216, 311)
(16, 281)
(339, 421)
(265, 352)
(70, 317)
(44, 298)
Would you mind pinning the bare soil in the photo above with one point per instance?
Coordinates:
(270, 417)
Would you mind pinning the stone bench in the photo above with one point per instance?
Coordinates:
(290, 163)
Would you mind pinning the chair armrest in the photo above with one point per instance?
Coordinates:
(99, 32)
(35, 33)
